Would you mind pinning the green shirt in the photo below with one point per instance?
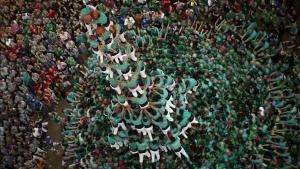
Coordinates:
(142, 146)
(140, 101)
(27, 79)
(176, 144)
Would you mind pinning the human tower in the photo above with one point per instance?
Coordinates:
(148, 112)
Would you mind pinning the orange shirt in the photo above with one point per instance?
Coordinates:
(41, 164)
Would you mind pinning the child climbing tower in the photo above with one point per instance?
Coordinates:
(148, 111)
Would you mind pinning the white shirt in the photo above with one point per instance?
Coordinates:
(3, 85)
(129, 22)
(141, 1)
(35, 77)
(61, 65)
(64, 36)
(261, 111)
(36, 132)
(89, 28)
(4, 71)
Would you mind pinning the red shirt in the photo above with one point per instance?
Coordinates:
(37, 86)
(32, 30)
(109, 160)
(43, 74)
(184, 15)
(38, 6)
(51, 13)
(237, 7)
(165, 2)
(40, 29)
(222, 49)
(121, 164)
(47, 100)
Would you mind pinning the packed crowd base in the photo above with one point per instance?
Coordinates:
(152, 84)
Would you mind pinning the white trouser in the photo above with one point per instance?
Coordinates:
(142, 130)
(183, 132)
(133, 152)
(163, 148)
(169, 106)
(121, 57)
(132, 55)
(110, 24)
(119, 72)
(143, 73)
(109, 72)
(195, 88)
(125, 103)
(99, 55)
(144, 107)
(115, 129)
(135, 90)
(169, 102)
(110, 44)
(155, 156)
(189, 125)
(171, 88)
(117, 145)
(149, 132)
(166, 130)
(193, 122)
(168, 116)
(117, 89)
(127, 75)
(141, 156)
(182, 151)
(117, 57)
(140, 90)
(185, 99)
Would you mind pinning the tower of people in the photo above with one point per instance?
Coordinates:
(148, 111)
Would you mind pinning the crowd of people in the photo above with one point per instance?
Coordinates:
(243, 113)
(39, 55)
